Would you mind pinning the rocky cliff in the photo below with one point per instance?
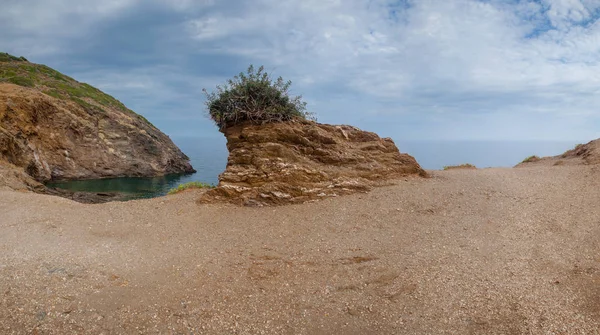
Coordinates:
(294, 162)
(582, 154)
(56, 128)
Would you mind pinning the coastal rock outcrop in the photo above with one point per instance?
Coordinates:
(294, 162)
(582, 154)
(16, 179)
(57, 139)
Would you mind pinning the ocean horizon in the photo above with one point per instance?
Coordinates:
(208, 155)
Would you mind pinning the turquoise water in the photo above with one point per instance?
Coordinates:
(131, 188)
(209, 157)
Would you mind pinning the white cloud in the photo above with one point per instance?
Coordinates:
(183, 5)
(563, 13)
(56, 17)
(436, 61)
(432, 55)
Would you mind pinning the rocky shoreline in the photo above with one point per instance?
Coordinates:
(54, 128)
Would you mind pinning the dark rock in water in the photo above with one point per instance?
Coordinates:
(293, 162)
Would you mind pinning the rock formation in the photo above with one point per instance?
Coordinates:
(294, 162)
(54, 139)
(588, 153)
(582, 154)
(56, 128)
(15, 178)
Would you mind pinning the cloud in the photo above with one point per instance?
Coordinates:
(58, 17)
(476, 66)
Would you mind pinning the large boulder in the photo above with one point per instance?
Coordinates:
(57, 139)
(294, 162)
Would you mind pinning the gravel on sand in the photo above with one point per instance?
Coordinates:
(488, 251)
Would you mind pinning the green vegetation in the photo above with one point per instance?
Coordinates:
(4, 57)
(190, 185)
(531, 159)
(22, 81)
(18, 71)
(462, 166)
(254, 97)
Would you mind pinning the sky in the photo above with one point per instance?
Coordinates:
(409, 69)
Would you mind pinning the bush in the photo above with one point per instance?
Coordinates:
(5, 57)
(531, 159)
(22, 81)
(193, 184)
(254, 97)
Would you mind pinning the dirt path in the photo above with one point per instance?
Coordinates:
(493, 251)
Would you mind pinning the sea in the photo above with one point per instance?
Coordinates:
(208, 155)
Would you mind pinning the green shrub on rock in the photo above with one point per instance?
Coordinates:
(254, 97)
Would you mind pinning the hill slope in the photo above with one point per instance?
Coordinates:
(582, 154)
(18, 71)
(55, 127)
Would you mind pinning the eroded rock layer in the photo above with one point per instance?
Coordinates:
(57, 139)
(294, 162)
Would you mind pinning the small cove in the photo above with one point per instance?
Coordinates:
(208, 156)
(130, 188)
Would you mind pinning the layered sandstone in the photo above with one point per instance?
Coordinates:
(294, 162)
(57, 139)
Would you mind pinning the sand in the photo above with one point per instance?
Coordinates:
(488, 251)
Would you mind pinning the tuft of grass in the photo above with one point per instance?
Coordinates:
(54, 94)
(531, 159)
(190, 185)
(21, 81)
(462, 166)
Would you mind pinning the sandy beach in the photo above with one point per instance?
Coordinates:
(488, 251)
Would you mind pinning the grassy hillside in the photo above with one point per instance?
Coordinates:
(19, 71)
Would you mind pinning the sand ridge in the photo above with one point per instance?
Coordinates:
(488, 251)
